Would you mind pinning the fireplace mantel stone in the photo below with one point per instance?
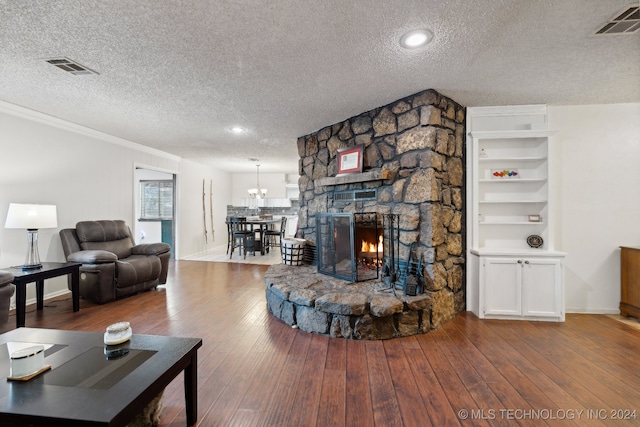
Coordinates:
(377, 175)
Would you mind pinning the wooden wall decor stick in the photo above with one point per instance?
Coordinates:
(213, 232)
(204, 213)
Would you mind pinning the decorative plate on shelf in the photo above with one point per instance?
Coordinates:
(534, 241)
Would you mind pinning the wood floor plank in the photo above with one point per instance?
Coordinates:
(331, 408)
(434, 397)
(244, 418)
(307, 398)
(518, 392)
(526, 381)
(621, 379)
(245, 366)
(559, 397)
(358, 407)
(386, 411)
(568, 354)
(466, 360)
(268, 376)
(336, 355)
(412, 409)
(584, 392)
(254, 370)
(615, 352)
(456, 391)
(277, 409)
(589, 393)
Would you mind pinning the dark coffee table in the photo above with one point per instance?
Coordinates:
(38, 275)
(84, 388)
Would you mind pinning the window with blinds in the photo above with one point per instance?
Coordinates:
(156, 199)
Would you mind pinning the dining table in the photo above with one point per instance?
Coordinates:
(260, 226)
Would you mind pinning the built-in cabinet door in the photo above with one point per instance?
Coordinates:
(541, 278)
(502, 286)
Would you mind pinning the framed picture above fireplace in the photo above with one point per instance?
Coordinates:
(350, 160)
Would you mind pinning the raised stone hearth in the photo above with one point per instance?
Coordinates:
(321, 304)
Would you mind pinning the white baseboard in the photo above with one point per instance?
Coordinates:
(592, 310)
(215, 249)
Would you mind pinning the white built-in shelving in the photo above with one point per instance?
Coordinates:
(510, 197)
(510, 183)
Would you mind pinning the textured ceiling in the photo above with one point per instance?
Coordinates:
(176, 75)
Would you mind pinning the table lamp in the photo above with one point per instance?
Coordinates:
(31, 217)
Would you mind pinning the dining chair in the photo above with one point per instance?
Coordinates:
(240, 235)
(273, 236)
(229, 233)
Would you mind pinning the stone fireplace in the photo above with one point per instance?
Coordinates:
(413, 169)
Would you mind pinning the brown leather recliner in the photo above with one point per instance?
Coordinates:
(6, 292)
(113, 266)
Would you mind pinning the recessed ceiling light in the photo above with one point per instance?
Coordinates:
(415, 39)
(237, 129)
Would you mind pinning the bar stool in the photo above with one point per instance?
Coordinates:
(273, 236)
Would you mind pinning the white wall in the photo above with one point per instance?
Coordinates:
(190, 218)
(275, 183)
(89, 176)
(598, 149)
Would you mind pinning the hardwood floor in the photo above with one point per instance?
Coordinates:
(256, 371)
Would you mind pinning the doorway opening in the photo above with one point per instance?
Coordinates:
(155, 207)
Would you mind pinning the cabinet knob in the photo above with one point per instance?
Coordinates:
(519, 261)
(526, 262)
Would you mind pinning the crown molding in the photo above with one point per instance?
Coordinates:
(26, 113)
(507, 110)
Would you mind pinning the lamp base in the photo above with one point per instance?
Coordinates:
(32, 261)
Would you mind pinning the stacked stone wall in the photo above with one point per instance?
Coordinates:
(419, 141)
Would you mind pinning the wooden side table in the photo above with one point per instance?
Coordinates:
(47, 271)
(630, 281)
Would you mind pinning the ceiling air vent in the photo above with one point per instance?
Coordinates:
(355, 195)
(626, 22)
(70, 66)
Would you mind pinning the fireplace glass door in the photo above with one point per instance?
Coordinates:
(350, 245)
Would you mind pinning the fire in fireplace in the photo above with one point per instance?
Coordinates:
(368, 244)
(357, 246)
(371, 252)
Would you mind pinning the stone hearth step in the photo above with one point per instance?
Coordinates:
(316, 303)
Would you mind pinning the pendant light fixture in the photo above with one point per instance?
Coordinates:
(258, 193)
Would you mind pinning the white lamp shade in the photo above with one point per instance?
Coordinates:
(31, 216)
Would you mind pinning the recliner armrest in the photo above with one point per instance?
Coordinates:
(150, 249)
(92, 257)
(5, 278)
